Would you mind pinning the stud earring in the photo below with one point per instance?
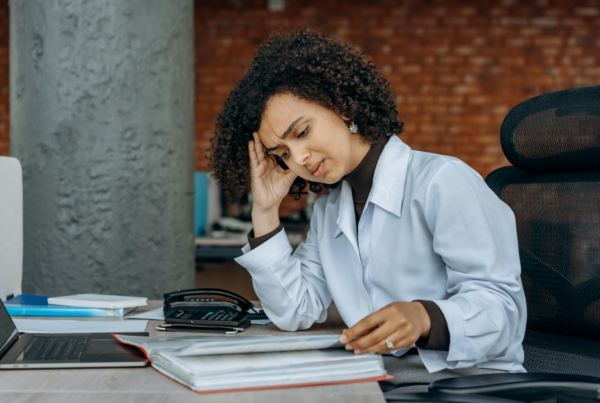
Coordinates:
(353, 128)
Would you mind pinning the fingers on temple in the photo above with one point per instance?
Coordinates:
(260, 153)
(289, 172)
(252, 154)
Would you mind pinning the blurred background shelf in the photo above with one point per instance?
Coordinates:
(215, 267)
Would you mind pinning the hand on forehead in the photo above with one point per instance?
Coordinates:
(281, 116)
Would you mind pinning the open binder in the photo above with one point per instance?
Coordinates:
(235, 364)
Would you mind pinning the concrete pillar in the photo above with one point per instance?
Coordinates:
(102, 120)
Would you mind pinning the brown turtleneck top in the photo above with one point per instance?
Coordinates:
(361, 182)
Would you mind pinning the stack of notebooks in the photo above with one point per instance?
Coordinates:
(73, 305)
(233, 364)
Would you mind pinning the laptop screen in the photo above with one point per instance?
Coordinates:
(7, 329)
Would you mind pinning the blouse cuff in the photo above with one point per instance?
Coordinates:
(439, 335)
(256, 242)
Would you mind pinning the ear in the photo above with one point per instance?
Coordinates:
(347, 119)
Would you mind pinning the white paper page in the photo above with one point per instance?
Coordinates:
(261, 382)
(155, 314)
(99, 301)
(232, 364)
(269, 369)
(328, 375)
(152, 344)
(316, 373)
(256, 345)
(79, 326)
(260, 321)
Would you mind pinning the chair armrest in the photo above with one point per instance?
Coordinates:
(524, 387)
(435, 397)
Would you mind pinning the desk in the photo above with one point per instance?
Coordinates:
(146, 385)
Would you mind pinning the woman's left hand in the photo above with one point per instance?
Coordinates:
(401, 323)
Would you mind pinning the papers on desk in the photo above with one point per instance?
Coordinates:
(99, 301)
(247, 363)
(157, 314)
(36, 305)
(79, 326)
(259, 345)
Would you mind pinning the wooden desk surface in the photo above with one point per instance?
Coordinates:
(146, 385)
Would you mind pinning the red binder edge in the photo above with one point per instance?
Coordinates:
(298, 385)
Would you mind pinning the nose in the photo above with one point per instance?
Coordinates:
(300, 155)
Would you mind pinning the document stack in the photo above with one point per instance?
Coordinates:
(99, 301)
(73, 305)
(227, 364)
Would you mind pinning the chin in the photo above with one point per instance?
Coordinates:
(317, 180)
(324, 179)
(327, 181)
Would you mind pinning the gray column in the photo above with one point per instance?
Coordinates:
(102, 120)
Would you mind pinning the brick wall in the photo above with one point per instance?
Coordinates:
(457, 66)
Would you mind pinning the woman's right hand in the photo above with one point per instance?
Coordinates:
(269, 182)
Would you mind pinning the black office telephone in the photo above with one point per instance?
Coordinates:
(198, 307)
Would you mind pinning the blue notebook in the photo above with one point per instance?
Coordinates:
(35, 305)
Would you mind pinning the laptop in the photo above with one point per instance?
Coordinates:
(71, 350)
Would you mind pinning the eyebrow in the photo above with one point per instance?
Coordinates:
(287, 131)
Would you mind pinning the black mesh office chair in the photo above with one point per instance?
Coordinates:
(553, 141)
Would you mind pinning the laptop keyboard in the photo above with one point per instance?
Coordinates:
(56, 348)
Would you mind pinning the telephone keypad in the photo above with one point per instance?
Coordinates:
(220, 317)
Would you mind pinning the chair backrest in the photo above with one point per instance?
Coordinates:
(11, 227)
(553, 141)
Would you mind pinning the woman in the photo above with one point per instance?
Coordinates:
(414, 249)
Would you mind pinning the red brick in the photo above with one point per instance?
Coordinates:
(592, 71)
(572, 22)
(449, 79)
(544, 22)
(455, 109)
(586, 61)
(465, 50)
(548, 41)
(514, 21)
(414, 69)
(585, 81)
(587, 11)
(466, 89)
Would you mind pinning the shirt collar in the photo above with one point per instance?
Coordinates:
(390, 176)
(388, 185)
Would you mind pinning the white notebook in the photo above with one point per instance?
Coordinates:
(98, 301)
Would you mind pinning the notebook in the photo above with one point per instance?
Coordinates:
(36, 305)
(99, 301)
(233, 364)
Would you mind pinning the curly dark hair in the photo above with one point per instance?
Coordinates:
(312, 67)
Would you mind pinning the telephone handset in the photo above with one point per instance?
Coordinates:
(199, 307)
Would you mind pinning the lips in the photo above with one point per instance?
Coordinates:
(316, 169)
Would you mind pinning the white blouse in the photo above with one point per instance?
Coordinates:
(431, 229)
